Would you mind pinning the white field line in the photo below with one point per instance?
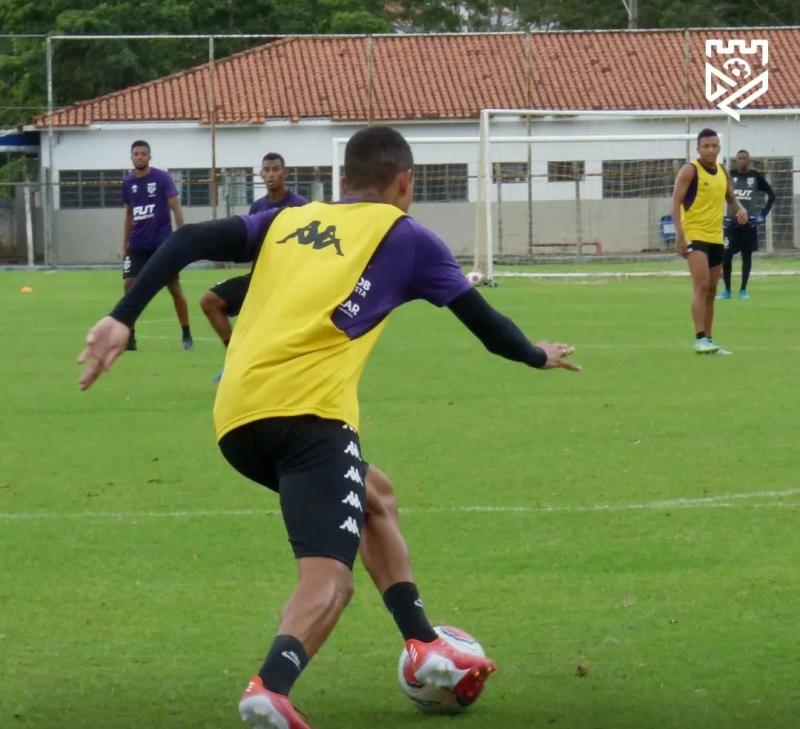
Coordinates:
(760, 499)
(624, 274)
(176, 337)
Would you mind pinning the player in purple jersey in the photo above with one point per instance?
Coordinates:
(410, 262)
(149, 195)
(224, 300)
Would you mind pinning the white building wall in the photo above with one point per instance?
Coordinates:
(83, 236)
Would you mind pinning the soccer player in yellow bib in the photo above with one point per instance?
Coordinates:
(699, 198)
(325, 278)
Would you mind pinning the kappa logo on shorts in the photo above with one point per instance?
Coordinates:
(354, 475)
(352, 449)
(350, 525)
(353, 500)
(345, 426)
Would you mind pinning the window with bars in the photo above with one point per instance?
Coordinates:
(566, 171)
(640, 177)
(90, 188)
(509, 172)
(440, 183)
(312, 183)
(194, 186)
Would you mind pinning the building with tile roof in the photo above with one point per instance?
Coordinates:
(297, 95)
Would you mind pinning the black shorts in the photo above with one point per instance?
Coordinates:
(315, 466)
(715, 252)
(232, 291)
(742, 238)
(134, 261)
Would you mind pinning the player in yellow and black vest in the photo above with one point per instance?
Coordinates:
(325, 278)
(702, 189)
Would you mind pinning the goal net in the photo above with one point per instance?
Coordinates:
(505, 197)
(574, 194)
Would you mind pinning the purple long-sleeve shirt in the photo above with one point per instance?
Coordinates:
(411, 263)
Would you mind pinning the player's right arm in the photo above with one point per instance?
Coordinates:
(126, 236)
(682, 181)
(231, 239)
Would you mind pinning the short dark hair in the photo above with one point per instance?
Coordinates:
(745, 152)
(272, 157)
(374, 156)
(140, 143)
(706, 133)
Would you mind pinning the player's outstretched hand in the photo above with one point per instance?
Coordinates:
(557, 356)
(105, 342)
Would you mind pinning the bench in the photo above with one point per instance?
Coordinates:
(598, 246)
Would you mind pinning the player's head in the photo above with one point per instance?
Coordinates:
(140, 154)
(378, 161)
(273, 172)
(742, 161)
(708, 146)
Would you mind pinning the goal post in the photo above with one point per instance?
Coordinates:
(593, 191)
(514, 198)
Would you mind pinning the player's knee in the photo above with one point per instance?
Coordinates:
(208, 302)
(331, 581)
(381, 500)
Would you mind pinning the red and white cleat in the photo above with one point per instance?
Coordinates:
(264, 709)
(440, 664)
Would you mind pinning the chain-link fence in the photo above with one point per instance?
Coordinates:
(209, 127)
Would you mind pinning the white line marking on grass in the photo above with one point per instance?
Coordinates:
(622, 274)
(724, 501)
(177, 336)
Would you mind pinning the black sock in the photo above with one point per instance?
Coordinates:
(225, 343)
(132, 334)
(186, 333)
(700, 335)
(283, 665)
(404, 604)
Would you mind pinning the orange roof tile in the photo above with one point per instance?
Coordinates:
(443, 77)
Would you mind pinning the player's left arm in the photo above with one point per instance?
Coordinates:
(766, 188)
(437, 278)
(177, 211)
(733, 202)
(501, 336)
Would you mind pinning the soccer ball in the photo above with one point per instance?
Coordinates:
(475, 278)
(432, 699)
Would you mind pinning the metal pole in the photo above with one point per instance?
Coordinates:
(26, 194)
(528, 131)
(369, 80)
(213, 122)
(499, 177)
(47, 178)
(578, 219)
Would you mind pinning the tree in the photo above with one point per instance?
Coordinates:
(86, 69)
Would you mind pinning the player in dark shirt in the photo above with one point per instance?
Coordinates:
(748, 184)
(149, 196)
(326, 278)
(224, 300)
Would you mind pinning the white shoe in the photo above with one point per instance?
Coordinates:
(705, 346)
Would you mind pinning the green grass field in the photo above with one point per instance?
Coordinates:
(639, 519)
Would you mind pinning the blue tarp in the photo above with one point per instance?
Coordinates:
(12, 140)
